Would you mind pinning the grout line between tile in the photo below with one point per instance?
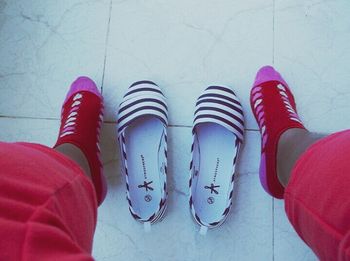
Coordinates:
(273, 229)
(106, 122)
(106, 44)
(179, 126)
(257, 130)
(28, 118)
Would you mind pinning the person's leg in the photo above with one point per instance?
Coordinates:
(48, 205)
(75, 154)
(78, 138)
(47, 200)
(317, 198)
(291, 145)
(309, 171)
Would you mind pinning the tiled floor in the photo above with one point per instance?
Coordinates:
(183, 46)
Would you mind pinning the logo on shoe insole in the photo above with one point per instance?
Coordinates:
(148, 198)
(210, 200)
(216, 169)
(146, 185)
(144, 167)
(214, 188)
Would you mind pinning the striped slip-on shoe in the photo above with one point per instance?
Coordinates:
(142, 135)
(218, 129)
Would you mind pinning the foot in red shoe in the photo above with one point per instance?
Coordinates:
(274, 109)
(81, 119)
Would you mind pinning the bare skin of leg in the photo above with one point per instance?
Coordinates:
(292, 144)
(75, 154)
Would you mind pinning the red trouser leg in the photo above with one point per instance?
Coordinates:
(47, 206)
(317, 198)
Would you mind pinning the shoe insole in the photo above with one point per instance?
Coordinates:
(142, 141)
(216, 153)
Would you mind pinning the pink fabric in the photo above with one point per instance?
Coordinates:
(266, 74)
(83, 83)
(48, 206)
(317, 198)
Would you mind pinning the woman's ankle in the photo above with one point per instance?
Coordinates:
(291, 145)
(75, 154)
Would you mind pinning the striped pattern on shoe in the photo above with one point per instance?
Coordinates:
(220, 105)
(142, 98)
(142, 134)
(218, 130)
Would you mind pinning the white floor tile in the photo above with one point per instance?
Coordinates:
(29, 130)
(312, 52)
(45, 45)
(185, 46)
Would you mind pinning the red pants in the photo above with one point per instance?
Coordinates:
(48, 207)
(317, 198)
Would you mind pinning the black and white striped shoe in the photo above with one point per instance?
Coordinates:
(142, 135)
(218, 129)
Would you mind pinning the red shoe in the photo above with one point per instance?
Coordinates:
(274, 109)
(81, 119)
